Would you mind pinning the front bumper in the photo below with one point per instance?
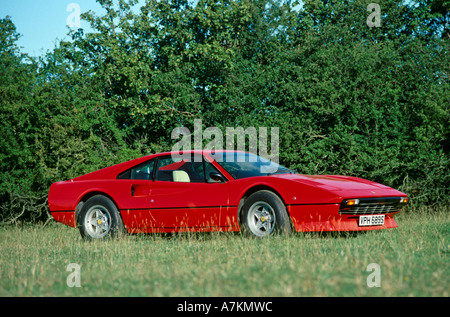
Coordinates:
(326, 217)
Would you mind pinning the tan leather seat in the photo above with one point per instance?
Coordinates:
(181, 176)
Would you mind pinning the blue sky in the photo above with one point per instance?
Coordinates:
(42, 23)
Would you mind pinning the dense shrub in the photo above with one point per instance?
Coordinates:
(348, 99)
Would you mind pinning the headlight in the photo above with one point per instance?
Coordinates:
(352, 202)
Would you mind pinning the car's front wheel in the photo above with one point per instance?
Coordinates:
(99, 218)
(264, 214)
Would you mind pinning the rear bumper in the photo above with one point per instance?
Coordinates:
(326, 217)
(65, 217)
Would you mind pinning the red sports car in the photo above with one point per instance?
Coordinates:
(218, 191)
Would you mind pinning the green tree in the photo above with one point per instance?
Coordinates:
(17, 160)
(348, 98)
(371, 102)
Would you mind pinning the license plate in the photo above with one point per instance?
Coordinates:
(375, 220)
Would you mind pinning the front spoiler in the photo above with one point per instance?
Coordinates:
(326, 217)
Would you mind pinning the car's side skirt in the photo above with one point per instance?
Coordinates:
(209, 218)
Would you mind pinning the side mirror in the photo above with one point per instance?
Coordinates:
(217, 177)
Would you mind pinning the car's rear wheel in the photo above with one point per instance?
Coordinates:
(99, 218)
(264, 214)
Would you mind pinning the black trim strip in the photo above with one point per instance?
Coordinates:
(162, 208)
(193, 227)
(312, 204)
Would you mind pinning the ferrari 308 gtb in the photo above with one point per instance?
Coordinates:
(218, 191)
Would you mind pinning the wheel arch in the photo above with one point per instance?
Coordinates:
(85, 198)
(253, 190)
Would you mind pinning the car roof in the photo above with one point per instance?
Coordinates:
(111, 172)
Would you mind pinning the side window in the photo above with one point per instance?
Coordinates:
(142, 171)
(165, 168)
(190, 170)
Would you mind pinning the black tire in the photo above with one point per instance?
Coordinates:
(264, 214)
(99, 218)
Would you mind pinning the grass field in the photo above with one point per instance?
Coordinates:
(413, 260)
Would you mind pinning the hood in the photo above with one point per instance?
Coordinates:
(335, 182)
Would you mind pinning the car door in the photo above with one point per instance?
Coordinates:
(184, 198)
(133, 189)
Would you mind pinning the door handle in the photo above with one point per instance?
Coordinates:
(140, 190)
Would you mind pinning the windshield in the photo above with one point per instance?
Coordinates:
(242, 164)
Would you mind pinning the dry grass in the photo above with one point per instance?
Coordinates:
(413, 259)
